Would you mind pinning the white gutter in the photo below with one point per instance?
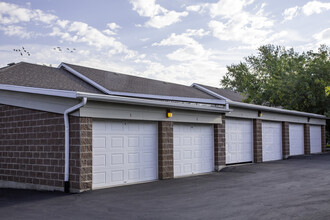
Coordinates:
(257, 107)
(153, 103)
(33, 90)
(67, 142)
(272, 109)
(139, 95)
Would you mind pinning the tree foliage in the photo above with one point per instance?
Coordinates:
(282, 77)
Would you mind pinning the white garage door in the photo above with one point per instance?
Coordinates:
(315, 135)
(271, 141)
(239, 141)
(296, 139)
(193, 149)
(124, 152)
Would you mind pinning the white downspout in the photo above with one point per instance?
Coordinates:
(67, 142)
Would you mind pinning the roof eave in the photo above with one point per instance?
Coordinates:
(40, 91)
(110, 98)
(152, 103)
(277, 110)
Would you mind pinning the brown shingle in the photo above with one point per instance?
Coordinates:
(229, 94)
(33, 75)
(132, 84)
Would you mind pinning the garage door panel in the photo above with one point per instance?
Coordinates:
(130, 153)
(193, 144)
(271, 141)
(315, 139)
(117, 176)
(116, 142)
(187, 154)
(117, 159)
(149, 172)
(239, 146)
(133, 174)
(296, 139)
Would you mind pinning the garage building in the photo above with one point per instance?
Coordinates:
(75, 128)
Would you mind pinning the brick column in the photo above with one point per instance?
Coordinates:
(81, 155)
(285, 140)
(307, 139)
(257, 140)
(323, 141)
(220, 145)
(165, 150)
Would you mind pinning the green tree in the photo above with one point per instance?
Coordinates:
(277, 76)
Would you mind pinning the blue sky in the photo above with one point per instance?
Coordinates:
(179, 41)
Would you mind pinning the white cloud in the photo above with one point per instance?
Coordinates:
(13, 30)
(190, 49)
(226, 8)
(147, 8)
(159, 17)
(194, 8)
(312, 7)
(197, 32)
(46, 18)
(62, 23)
(67, 31)
(243, 27)
(315, 7)
(323, 37)
(113, 26)
(232, 22)
(290, 13)
(13, 14)
(83, 33)
(160, 21)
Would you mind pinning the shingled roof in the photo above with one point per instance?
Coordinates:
(229, 94)
(38, 76)
(132, 84)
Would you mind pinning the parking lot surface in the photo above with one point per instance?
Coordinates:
(297, 188)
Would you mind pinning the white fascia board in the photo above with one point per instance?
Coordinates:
(170, 98)
(203, 89)
(139, 95)
(277, 110)
(148, 102)
(41, 91)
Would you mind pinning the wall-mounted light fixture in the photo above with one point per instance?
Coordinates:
(169, 114)
(259, 113)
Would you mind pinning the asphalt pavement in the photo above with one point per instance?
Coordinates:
(297, 188)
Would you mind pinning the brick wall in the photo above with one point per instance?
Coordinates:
(32, 148)
(285, 140)
(257, 140)
(307, 139)
(220, 144)
(165, 150)
(323, 141)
